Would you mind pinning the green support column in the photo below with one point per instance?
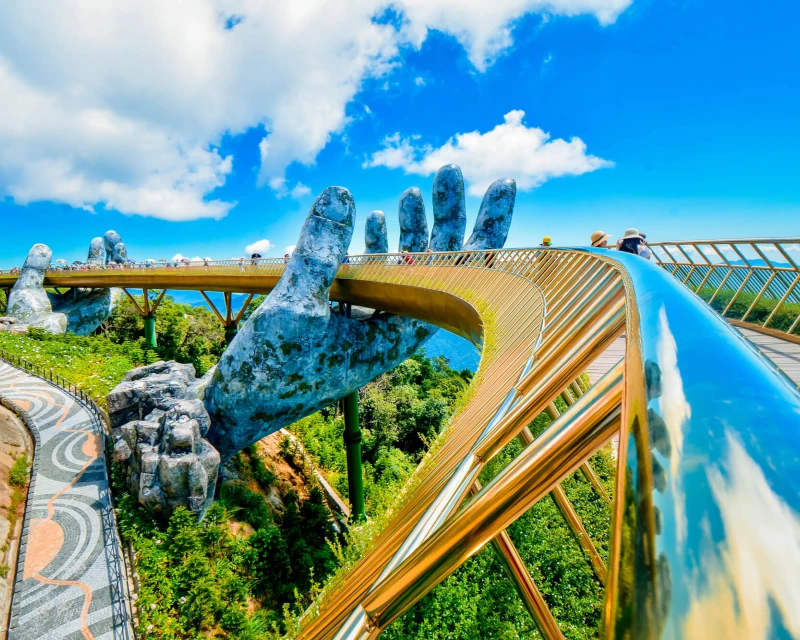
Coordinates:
(352, 443)
(230, 332)
(150, 329)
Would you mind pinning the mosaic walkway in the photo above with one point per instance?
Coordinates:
(68, 572)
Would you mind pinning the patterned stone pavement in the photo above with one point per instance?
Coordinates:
(68, 584)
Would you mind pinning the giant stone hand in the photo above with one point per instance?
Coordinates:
(294, 356)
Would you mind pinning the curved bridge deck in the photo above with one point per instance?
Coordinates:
(64, 586)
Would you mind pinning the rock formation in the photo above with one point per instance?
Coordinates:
(7, 323)
(159, 427)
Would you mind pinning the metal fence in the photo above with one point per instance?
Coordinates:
(753, 281)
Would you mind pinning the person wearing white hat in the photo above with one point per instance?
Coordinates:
(600, 239)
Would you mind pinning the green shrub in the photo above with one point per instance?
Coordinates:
(782, 320)
(246, 504)
(94, 364)
(18, 475)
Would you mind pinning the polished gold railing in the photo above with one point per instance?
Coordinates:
(542, 317)
(753, 282)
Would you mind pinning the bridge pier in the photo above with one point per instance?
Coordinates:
(230, 321)
(150, 329)
(352, 443)
(148, 313)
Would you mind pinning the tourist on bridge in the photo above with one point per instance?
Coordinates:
(600, 239)
(547, 241)
(633, 242)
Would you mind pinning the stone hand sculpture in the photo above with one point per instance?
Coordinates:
(294, 356)
(115, 249)
(80, 311)
(28, 300)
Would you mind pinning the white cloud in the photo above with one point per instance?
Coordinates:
(299, 191)
(511, 149)
(485, 28)
(419, 81)
(179, 256)
(278, 185)
(124, 105)
(290, 249)
(259, 246)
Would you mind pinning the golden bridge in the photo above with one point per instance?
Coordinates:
(708, 430)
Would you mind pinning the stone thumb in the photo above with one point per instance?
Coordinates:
(320, 249)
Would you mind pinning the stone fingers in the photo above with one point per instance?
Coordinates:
(96, 250)
(413, 224)
(494, 217)
(449, 209)
(320, 250)
(376, 239)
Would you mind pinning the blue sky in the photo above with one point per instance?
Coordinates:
(687, 110)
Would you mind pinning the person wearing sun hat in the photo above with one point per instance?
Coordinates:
(633, 242)
(600, 239)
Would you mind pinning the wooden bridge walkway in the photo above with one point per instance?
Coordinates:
(785, 354)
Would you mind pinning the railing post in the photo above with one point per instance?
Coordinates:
(352, 443)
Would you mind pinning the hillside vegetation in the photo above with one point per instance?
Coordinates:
(402, 412)
(98, 363)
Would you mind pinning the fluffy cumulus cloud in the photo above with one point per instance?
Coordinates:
(179, 257)
(512, 149)
(259, 246)
(124, 105)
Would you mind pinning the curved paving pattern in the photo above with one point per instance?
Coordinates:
(66, 578)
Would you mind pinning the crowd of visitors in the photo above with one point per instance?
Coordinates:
(632, 241)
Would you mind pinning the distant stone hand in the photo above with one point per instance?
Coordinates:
(81, 311)
(294, 356)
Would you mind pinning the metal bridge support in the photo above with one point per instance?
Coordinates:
(230, 321)
(150, 329)
(148, 313)
(352, 443)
